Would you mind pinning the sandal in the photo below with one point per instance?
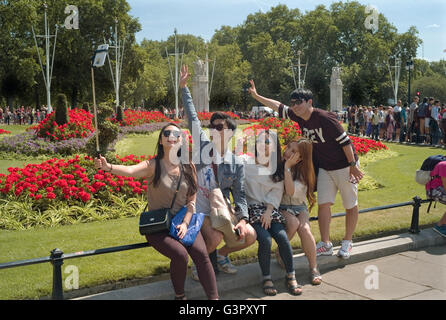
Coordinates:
(269, 290)
(315, 276)
(294, 289)
(182, 297)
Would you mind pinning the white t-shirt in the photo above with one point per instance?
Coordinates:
(259, 186)
(206, 182)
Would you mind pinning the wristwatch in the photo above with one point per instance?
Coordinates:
(352, 164)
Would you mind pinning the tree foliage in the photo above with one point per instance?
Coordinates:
(263, 47)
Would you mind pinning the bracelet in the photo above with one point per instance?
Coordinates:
(111, 168)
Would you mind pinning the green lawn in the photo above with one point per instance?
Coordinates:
(14, 128)
(395, 175)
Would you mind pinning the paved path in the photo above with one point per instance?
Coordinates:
(403, 266)
(419, 275)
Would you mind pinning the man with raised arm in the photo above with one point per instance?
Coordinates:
(222, 170)
(335, 158)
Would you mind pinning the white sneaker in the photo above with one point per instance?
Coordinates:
(324, 249)
(224, 265)
(345, 250)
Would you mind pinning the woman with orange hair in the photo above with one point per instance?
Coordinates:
(299, 184)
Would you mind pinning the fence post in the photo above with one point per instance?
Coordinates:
(415, 215)
(57, 262)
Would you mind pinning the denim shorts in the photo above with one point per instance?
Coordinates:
(295, 210)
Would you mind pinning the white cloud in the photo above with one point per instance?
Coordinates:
(431, 26)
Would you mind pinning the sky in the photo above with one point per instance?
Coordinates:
(159, 18)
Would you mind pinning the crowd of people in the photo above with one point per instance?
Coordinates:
(22, 115)
(269, 201)
(421, 122)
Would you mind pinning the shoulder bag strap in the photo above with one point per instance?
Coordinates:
(178, 186)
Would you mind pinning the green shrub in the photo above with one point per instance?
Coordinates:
(61, 109)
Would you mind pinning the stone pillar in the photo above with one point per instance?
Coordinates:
(336, 89)
(200, 85)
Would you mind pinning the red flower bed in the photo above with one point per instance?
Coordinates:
(134, 118)
(4, 131)
(288, 131)
(207, 115)
(69, 180)
(363, 145)
(79, 126)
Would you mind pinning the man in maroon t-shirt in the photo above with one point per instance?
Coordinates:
(335, 157)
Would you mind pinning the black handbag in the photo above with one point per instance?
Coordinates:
(154, 221)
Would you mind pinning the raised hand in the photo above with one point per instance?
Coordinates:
(252, 90)
(184, 75)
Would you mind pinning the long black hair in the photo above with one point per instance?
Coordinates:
(189, 171)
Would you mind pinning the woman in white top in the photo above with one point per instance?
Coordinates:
(299, 183)
(264, 191)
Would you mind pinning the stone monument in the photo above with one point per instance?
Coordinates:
(200, 86)
(336, 87)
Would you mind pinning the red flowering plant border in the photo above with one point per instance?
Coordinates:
(133, 118)
(74, 180)
(4, 131)
(79, 126)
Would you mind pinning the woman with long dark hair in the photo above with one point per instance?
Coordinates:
(299, 185)
(264, 190)
(162, 173)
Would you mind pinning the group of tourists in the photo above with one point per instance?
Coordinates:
(272, 192)
(22, 115)
(423, 123)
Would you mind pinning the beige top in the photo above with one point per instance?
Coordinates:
(162, 196)
(299, 196)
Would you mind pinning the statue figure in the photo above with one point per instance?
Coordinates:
(200, 68)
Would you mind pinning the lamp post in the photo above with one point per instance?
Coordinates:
(47, 75)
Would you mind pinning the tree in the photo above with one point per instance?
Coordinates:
(431, 86)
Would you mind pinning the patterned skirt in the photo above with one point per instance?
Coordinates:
(256, 211)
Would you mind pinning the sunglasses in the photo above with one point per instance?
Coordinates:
(218, 127)
(175, 133)
(296, 102)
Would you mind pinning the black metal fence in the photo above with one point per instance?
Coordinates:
(57, 257)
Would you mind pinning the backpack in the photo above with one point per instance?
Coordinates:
(422, 176)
